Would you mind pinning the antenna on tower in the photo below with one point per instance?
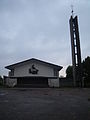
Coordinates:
(72, 10)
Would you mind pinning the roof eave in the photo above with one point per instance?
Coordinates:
(16, 64)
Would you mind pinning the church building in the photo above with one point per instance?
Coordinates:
(33, 73)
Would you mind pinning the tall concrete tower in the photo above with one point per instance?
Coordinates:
(76, 52)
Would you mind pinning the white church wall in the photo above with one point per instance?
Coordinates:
(43, 70)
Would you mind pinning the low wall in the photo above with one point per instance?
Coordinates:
(53, 82)
(11, 82)
(65, 82)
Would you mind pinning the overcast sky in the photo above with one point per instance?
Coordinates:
(40, 29)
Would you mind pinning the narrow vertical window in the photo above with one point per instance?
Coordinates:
(55, 72)
(11, 73)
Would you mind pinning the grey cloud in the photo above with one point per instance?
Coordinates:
(30, 28)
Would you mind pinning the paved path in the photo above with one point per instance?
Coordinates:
(45, 104)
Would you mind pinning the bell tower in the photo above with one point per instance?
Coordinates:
(76, 52)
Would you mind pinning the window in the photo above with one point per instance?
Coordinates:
(55, 72)
(11, 73)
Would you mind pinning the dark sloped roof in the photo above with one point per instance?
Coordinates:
(33, 59)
